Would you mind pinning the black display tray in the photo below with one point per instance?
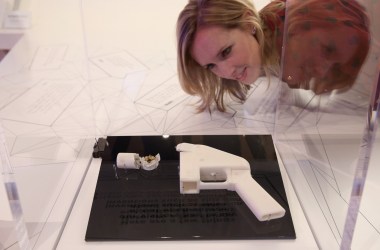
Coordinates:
(147, 205)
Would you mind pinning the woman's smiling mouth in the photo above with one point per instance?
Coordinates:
(242, 75)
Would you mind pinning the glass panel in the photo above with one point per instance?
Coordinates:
(364, 183)
(133, 67)
(330, 69)
(46, 115)
(13, 226)
(136, 91)
(132, 61)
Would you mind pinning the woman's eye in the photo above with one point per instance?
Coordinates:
(210, 66)
(226, 52)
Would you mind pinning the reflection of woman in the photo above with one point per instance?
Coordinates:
(225, 45)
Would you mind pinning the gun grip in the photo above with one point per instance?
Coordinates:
(263, 206)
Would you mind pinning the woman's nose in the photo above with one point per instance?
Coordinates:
(225, 70)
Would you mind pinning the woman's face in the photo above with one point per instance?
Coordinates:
(228, 53)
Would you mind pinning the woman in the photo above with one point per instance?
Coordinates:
(225, 45)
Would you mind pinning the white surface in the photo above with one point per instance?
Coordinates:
(322, 174)
(75, 230)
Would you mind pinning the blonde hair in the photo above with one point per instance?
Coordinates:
(230, 14)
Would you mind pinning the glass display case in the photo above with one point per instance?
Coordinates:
(87, 70)
(328, 140)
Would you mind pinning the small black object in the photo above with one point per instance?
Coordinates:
(99, 147)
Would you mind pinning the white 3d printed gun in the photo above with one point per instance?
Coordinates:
(204, 167)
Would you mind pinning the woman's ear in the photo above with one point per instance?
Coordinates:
(248, 16)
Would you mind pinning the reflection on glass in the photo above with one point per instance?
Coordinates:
(224, 46)
(326, 43)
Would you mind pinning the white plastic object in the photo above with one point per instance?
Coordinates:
(134, 161)
(128, 160)
(204, 167)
